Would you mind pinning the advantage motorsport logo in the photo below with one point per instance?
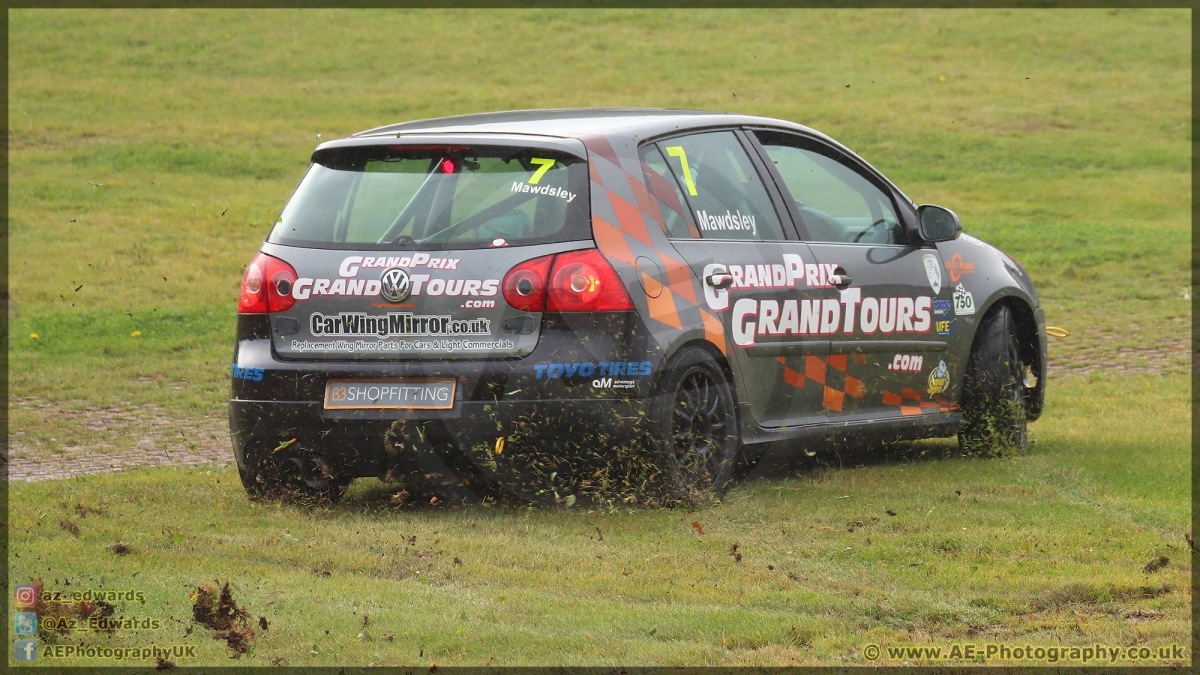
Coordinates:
(394, 324)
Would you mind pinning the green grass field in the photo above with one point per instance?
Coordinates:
(1044, 549)
(150, 150)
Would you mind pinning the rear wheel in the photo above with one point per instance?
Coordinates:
(695, 425)
(994, 389)
(309, 478)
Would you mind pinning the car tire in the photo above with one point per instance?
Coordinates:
(268, 474)
(694, 424)
(993, 401)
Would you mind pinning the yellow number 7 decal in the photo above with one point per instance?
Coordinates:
(677, 151)
(537, 175)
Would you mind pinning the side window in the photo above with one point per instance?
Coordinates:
(722, 188)
(667, 195)
(836, 203)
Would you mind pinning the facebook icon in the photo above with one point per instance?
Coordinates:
(25, 650)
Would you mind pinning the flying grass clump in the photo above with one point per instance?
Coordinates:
(217, 610)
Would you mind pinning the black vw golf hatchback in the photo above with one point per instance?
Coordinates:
(527, 300)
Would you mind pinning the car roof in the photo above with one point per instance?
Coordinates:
(577, 123)
(582, 122)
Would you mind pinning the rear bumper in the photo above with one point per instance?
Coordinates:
(364, 445)
(565, 386)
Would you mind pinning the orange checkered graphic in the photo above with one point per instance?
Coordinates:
(714, 330)
(627, 199)
(815, 369)
(910, 403)
(611, 240)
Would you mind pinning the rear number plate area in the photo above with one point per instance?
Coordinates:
(391, 394)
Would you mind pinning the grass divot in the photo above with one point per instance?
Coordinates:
(229, 621)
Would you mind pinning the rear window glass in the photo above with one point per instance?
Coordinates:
(436, 197)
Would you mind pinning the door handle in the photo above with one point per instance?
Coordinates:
(719, 277)
(839, 277)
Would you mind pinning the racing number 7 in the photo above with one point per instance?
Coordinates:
(537, 175)
(677, 151)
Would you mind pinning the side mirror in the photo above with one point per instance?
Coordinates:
(937, 224)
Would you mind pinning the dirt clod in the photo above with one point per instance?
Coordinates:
(1156, 564)
(163, 664)
(120, 548)
(85, 510)
(733, 552)
(216, 609)
(238, 638)
(69, 525)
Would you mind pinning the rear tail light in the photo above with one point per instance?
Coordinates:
(578, 281)
(584, 281)
(267, 286)
(525, 284)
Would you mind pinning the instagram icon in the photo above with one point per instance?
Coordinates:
(25, 597)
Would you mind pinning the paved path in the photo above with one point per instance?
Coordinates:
(108, 439)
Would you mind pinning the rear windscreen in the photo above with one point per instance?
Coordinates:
(436, 197)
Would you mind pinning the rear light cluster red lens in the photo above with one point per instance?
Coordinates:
(577, 281)
(525, 284)
(267, 286)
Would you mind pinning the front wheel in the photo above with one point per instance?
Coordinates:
(994, 389)
(695, 425)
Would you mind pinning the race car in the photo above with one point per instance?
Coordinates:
(520, 299)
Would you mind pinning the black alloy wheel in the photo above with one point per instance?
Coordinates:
(697, 425)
